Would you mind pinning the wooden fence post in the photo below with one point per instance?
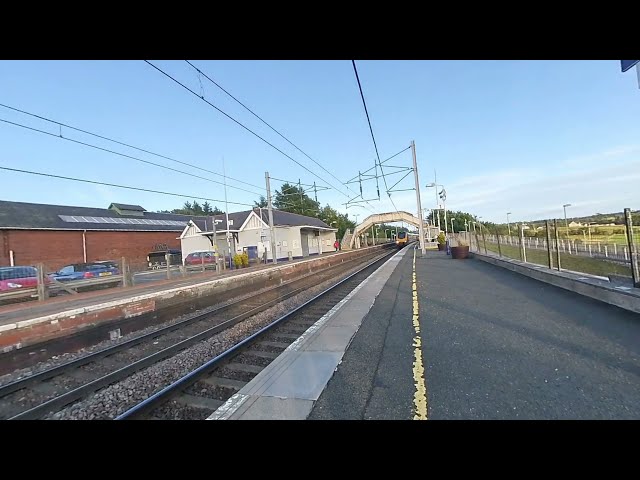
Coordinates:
(43, 292)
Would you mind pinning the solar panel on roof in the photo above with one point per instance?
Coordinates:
(128, 221)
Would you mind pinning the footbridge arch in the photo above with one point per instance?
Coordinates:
(389, 217)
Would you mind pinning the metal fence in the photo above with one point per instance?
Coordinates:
(553, 247)
(123, 273)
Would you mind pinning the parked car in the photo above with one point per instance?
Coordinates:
(83, 271)
(108, 263)
(12, 278)
(198, 258)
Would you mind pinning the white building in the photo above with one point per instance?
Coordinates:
(295, 234)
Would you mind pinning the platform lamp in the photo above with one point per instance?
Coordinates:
(566, 224)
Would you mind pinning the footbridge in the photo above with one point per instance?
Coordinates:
(390, 217)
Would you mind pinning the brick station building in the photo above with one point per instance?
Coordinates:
(58, 235)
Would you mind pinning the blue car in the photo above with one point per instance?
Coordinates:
(83, 271)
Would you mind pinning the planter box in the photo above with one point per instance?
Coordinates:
(459, 252)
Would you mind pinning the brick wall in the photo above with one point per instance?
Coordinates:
(58, 248)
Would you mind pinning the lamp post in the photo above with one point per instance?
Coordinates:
(508, 224)
(425, 215)
(444, 204)
(566, 224)
(452, 230)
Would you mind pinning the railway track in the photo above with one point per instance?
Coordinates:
(199, 393)
(53, 389)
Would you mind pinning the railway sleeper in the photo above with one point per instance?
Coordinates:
(224, 382)
(202, 403)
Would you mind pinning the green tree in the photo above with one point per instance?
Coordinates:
(291, 198)
(458, 222)
(262, 203)
(196, 209)
(337, 220)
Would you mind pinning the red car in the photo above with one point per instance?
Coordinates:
(198, 258)
(12, 278)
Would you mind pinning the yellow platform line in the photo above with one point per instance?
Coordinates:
(420, 395)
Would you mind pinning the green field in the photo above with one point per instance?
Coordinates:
(568, 262)
(604, 235)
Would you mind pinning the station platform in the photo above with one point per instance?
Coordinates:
(475, 341)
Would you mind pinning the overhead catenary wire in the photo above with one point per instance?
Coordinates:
(365, 109)
(280, 134)
(125, 144)
(128, 187)
(271, 127)
(364, 103)
(236, 121)
(392, 156)
(262, 120)
(291, 182)
(124, 155)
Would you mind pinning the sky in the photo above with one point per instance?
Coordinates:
(520, 136)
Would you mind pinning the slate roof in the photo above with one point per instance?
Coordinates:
(37, 216)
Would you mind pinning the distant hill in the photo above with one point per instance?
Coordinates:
(600, 218)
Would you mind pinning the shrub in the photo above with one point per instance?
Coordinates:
(442, 239)
(245, 259)
(237, 260)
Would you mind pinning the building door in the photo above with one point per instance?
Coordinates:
(304, 243)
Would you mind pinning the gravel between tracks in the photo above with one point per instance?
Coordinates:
(116, 399)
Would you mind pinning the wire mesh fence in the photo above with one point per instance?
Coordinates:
(608, 251)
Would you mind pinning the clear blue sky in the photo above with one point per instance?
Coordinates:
(518, 136)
